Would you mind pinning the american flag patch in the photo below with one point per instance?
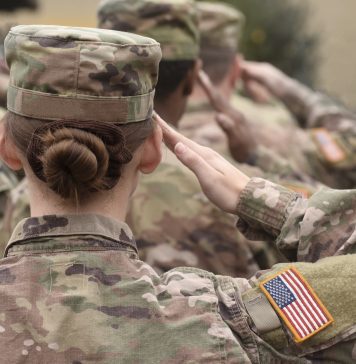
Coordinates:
(296, 303)
(331, 150)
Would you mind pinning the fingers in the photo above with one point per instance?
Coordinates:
(226, 123)
(195, 162)
(218, 103)
(171, 137)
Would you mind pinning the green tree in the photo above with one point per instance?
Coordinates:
(276, 32)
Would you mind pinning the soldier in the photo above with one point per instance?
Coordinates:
(72, 287)
(329, 148)
(194, 233)
(221, 27)
(251, 137)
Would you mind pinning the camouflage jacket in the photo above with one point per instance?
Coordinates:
(74, 291)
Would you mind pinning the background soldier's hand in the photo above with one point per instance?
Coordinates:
(257, 92)
(266, 75)
(239, 134)
(221, 182)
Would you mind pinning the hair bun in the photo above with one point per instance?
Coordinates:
(74, 162)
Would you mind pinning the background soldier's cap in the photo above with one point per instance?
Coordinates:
(220, 26)
(83, 74)
(172, 23)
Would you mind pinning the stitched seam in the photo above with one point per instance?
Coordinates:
(85, 42)
(108, 99)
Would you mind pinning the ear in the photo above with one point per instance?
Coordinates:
(8, 151)
(192, 78)
(152, 152)
(235, 71)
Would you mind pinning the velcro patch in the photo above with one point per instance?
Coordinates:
(296, 303)
(328, 146)
(299, 189)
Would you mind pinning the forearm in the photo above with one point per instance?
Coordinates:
(307, 229)
(312, 109)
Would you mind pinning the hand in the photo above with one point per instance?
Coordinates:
(257, 92)
(221, 182)
(266, 75)
(241, 141)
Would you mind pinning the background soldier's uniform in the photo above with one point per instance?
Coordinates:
(72, 287)
(173, 223)
(276, 132)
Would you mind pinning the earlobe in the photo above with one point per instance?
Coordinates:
(152, 152)
(8, 152)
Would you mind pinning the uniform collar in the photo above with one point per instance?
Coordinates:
(66, 232)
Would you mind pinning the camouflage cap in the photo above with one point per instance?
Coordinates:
(173, 23)
(83, 74)
(220, 26)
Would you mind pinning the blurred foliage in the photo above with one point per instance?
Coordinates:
(276, 32)
(12, 5)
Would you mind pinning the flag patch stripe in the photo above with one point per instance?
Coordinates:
(296, 303)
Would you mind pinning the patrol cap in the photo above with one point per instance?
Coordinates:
(82, 74)
(220, 26)
(172, 23)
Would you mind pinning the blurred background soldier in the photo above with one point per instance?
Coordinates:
(193, 232)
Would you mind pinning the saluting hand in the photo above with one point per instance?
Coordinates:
(241, 141)
(266, 75)
(221, 182)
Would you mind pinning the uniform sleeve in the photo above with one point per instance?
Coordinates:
(247, 312)
(303, 229)
(312, 109)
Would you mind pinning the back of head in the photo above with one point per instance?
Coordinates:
(220, 27)
(80, 102)
(172, 23)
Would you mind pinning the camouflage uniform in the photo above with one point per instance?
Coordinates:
(73, 289)
(169, 237)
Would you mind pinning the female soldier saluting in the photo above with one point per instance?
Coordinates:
(72, 287)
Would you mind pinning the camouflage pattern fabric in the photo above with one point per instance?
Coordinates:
(175, 225)
(199, 125)
(193, 232)
(172, 23)
(220, 26)
(74, 291)
(8, 181)
(16, 206)
(326, 149)
(301, 227)
(64, 73)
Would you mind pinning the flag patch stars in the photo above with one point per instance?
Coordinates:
(296, 303)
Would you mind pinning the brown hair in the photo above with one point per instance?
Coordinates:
(76, 158)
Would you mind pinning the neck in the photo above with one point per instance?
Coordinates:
(113, 203)
(170, 109)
